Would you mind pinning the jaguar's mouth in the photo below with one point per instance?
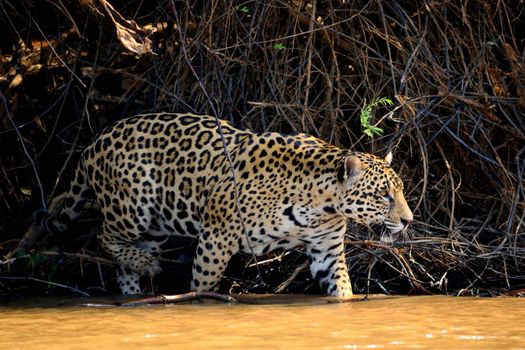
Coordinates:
(392, 230)
(388, 231)
(385, 235)
(394, 227)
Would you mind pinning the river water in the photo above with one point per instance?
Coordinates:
(434, 322)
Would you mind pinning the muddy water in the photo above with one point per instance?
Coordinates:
(391, 323)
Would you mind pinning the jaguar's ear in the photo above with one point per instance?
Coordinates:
(388, 158)
(350, 168)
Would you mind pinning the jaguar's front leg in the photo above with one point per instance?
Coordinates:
(328, 266)
(213, 254)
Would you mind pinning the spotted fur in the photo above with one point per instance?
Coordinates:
(159, 175)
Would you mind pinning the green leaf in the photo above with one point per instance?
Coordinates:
(243, 9)
(376, 130)
(367, 114)
(279, 46)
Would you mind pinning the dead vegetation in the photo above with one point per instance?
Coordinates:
(456, 70)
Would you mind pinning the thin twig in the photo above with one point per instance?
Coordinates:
(16, 278)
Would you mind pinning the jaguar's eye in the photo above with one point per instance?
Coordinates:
(386, 196)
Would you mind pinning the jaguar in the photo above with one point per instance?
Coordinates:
(233, 190)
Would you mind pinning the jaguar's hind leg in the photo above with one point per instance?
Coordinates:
(133, 260)
(128, 281)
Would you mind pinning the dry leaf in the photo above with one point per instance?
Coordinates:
(133, 37)
(132, 40)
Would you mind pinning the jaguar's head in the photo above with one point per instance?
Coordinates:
(373, 194)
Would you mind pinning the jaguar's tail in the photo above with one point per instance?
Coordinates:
(66, 207)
